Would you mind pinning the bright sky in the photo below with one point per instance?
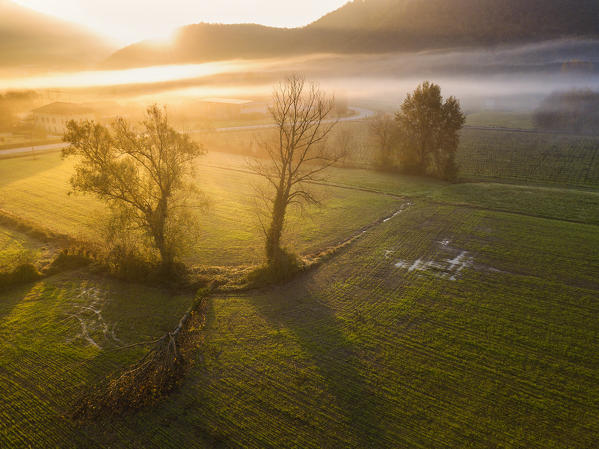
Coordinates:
(127, 21)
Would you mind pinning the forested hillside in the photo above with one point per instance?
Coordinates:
(380, 26)
(30, 40)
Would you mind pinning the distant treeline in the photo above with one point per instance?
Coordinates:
(377, 26)
(14, 103)
(573, 111)
(31, 41)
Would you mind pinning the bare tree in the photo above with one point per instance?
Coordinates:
(383, 130)
(297, 155)
(143, 174)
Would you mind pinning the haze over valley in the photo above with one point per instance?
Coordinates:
(317, 224)
(499, 70)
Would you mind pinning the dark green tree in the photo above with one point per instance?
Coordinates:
(428, 131)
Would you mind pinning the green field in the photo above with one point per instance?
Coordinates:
(58, 336)
(496, 349)
(529, 158)
(361, 353)
(37, 189)
(17, 248)
(483, 155)
(467, 320)
(500, 119)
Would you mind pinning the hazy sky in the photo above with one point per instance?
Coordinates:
(127, 21)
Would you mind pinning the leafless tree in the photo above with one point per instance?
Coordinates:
(296, 156)
(383, 130)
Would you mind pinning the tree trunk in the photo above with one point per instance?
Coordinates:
(158, 233)
(273, 235)
(422, 154)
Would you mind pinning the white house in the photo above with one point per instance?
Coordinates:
(53, 117)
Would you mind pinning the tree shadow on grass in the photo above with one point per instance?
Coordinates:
(321, 335)
(11, 296)
(23, 166)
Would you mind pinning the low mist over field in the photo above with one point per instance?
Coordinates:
(513, 65)
(504, 77)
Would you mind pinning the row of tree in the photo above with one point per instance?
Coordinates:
(575, 111)
(13, 104)
(423, 136)
(145, 173)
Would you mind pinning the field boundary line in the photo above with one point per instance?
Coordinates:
(422, 197)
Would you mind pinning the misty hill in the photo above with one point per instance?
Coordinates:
(30, 40)
(463, 22)
(376, 26)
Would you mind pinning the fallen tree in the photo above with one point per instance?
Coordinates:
(155, 375)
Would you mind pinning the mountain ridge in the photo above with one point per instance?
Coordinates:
(378, 26)
(32, 40)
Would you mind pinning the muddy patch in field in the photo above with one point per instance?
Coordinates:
(397, 212)
(448, 263)
(94, 330)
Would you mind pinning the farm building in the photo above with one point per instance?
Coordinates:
(227, 108)
(53, 117)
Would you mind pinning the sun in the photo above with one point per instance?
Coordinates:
(162, 37)
(124, 22)
(147, 25)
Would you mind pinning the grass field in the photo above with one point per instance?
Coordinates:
(467, 320)
(500, 119)
(488, 155)
(37, 189)
(519, 157)
(443, 327)
(14, 141)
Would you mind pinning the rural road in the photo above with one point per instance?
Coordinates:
(34, 149)
(361, 115)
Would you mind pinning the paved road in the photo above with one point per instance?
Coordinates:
(361, 115)
(34, 149)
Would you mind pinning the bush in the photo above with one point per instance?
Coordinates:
(286, 266)
(574, 111)
(20, 275)
(411, 168)
(128, 265)
(70, 259)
